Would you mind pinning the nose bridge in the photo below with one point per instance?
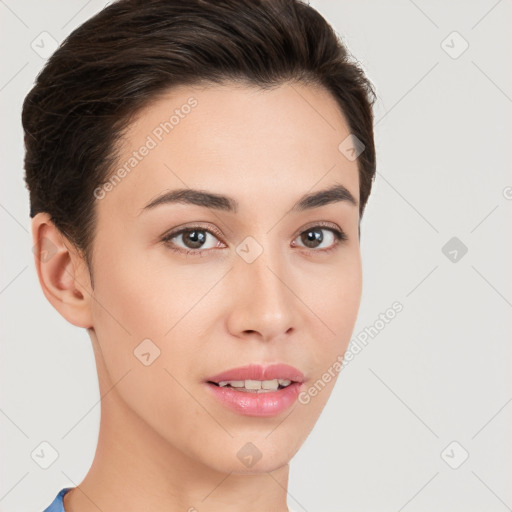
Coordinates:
(264, 302)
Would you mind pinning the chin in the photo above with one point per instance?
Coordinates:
(261, 455)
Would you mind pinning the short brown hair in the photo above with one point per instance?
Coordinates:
(132, 51)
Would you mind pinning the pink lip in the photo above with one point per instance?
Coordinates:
(258, 404)
(258, 372)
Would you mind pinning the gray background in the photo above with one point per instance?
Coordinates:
(438, 373)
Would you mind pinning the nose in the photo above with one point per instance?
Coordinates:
(262, 303)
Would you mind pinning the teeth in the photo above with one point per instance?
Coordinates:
(252, 384)
(236, 383)
(259, 386)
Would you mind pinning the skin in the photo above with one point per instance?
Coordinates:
(164, 443)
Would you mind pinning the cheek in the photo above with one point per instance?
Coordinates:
(347, 295)
(124, 310)
(336, 306)
(334, 299)
(334, 295)
(142, 297)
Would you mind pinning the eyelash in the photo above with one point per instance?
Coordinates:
(166, 239)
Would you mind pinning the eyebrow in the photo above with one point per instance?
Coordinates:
(337, 193)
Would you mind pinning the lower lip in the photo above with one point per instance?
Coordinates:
(265, 404)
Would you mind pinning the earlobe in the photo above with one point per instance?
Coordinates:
(62, 272)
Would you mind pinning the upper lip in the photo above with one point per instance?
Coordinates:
(259, 372)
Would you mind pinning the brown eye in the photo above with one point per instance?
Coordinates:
(194, 238)
(316, 236)
(191, 240)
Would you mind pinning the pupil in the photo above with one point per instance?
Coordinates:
(196, 237)
(312, 236)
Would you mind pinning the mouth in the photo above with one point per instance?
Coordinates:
(256, 390)
(254, 386)
(255, 372)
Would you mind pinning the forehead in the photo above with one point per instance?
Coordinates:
(241, 141)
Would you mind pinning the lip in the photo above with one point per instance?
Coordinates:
(256, 404)
(258, 372)
(264, 404)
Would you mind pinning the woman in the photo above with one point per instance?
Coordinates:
(198, 172)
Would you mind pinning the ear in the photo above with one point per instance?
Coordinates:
(62, 272)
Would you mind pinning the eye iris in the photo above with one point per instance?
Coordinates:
(312, 236)
(196, 237)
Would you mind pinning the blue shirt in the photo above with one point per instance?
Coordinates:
(57, 505)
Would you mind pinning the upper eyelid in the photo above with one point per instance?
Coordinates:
(178, 231)
(319, 224)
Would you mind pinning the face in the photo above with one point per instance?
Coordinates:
(260, 278)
